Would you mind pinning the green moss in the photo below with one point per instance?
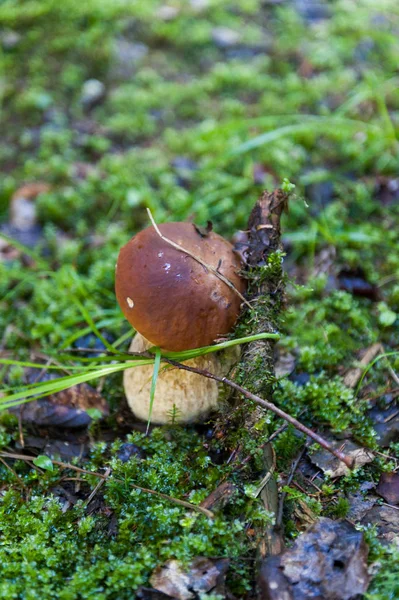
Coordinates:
(73, 554)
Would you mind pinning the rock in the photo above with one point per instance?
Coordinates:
(327, 562)
(360, 502)
(93, 92)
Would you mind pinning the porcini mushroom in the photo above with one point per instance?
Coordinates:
(180, 289)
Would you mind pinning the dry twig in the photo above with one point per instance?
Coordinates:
(198, 260)
(269, 406)
(63, 465)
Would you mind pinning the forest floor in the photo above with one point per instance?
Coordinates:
(192, 109)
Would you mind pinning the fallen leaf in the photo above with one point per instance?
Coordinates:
(386, 424)
(220, 496)
(328, 561)
(22, 206)
(352, 377)
(386, 520)
(388, 487)
(63, 409)
(332, 466)
(202, 575)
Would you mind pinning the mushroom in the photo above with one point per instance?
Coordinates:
(180, 289)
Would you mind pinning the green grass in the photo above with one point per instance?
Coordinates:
(191, 130)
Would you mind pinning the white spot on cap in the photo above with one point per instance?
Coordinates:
(130, 302)
(160, 254)
(273, 585)
(166, 266)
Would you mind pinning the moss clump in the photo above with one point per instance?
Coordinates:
(54, 553)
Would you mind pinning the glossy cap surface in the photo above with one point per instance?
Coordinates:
(169, 297)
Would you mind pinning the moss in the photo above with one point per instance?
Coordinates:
(73, 553)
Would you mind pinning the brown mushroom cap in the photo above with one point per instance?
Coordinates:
(171, 299)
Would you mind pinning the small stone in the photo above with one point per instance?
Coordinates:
(199, 5)
(224, 37)
(127, 55)
(10, 40)
(167, 13)
(93, 91)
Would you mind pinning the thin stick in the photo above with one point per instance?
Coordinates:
(198, 260)
(63, 465)
(269, 406)
(98, 486)
(13, 472)
(267, 476)
(294, 466)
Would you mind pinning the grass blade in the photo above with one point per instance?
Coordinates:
(313, 124)
(90, 322)
(155, 372)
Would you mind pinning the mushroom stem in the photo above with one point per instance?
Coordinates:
(180, 396)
